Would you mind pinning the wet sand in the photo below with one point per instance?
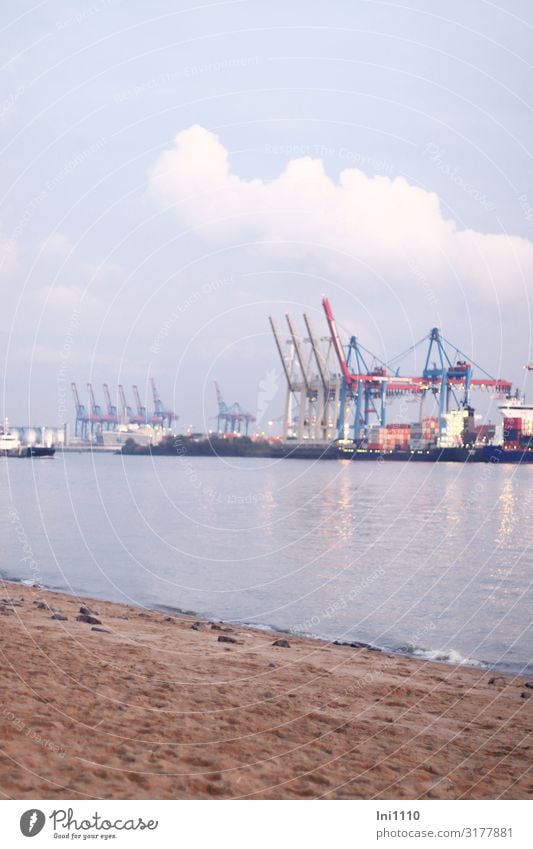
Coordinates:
(159, 707)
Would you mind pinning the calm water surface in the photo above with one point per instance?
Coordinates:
(430, 559)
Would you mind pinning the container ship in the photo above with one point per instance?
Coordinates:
(461, 440)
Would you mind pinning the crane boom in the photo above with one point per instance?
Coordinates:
(222, 407)
(111, 409)
(337, 342)
(95, 409)
(158, 404)
(141, 410)
(280, 352)
(318, 358)
(125, 410)
(299, 352)
(77, 402)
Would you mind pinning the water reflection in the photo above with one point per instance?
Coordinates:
(369, 551)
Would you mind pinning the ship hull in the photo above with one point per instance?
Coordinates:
(429, 455)
(36, 452)
(497, 454)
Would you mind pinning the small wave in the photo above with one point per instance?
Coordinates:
(260, 626)
(27, 582)
(443, 656)
(167, 608)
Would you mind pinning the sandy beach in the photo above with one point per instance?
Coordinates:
(144, 705)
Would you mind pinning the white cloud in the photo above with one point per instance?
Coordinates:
(57, 243)
(63, 296)
(385, 224)
(8, 256)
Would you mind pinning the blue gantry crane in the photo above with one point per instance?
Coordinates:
(449, 374)
(230, 419)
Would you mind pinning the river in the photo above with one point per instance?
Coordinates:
(428, 559)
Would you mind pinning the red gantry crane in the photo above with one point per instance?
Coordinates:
(443, 378)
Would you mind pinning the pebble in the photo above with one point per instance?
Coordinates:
(101, 630)
(223, 639)
(87, 611)
(525, 695)
(282, 644)
(197, 626)
(59, 616)
(91, 620)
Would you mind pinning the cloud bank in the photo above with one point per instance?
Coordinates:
(359, 224)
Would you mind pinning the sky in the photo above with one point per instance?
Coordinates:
(175, 172)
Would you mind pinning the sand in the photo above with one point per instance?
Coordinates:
(153, 707)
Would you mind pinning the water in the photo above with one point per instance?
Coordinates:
(430, 559)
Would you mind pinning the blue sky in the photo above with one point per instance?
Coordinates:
(173, 173)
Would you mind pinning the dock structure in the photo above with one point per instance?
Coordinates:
(342, 391)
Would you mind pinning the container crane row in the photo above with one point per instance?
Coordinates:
(442, 377)
(91, 418)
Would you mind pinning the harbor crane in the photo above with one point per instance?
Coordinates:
(288, 364)
(230, 419)
(126, 412)
(142, 415)
(92, 418)
(161, 414)
(443, 378)
(111, 408)
(82, 420)
(313, 386)
(97, 418)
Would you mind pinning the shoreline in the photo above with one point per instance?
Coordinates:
(465, 663)
(149, 705)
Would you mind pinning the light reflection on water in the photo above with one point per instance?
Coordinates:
(432, 556)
